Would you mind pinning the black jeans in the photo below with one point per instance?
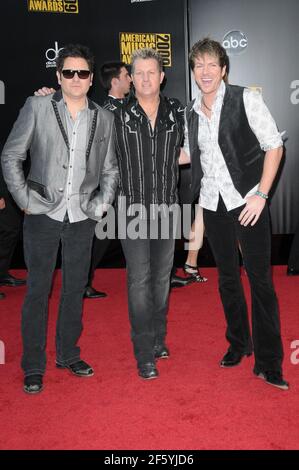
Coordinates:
(149, 263)
(224, 231)
(42, 237)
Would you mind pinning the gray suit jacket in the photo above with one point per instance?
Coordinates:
(40, 128)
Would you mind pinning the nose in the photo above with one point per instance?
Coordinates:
(76, 77)
(205, 69)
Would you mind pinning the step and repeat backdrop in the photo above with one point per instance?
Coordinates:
(260, 36)
(33, 31)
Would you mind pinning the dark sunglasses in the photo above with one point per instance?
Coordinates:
(83, 74)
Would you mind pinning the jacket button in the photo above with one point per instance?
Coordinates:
(60, 190)
(64, 167)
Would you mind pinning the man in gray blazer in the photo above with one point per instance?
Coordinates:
(71, 183)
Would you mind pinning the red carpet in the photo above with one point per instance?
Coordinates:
(193, 405)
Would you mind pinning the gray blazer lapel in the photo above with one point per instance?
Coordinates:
(92, 120)
(92, 125)
(55, 102)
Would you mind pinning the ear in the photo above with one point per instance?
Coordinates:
(91, 79)
(223, 71)
(162, 77)
(114, 82)
(58, 77)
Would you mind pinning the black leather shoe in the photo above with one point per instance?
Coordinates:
(272, 377)
(161, 351)
(292, 272)
(233, 358)
(177, 281)
(33, 384)
(91, 293)
(148, 371)
(79, 368)
(2, 295)
(11, 281)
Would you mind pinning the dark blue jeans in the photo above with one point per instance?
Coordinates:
(224, 231)
(42, 237)
(149, 263)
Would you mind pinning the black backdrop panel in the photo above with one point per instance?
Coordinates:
(27, 38)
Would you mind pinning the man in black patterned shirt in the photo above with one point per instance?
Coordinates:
(149, 133)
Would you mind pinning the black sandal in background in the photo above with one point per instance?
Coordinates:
(194, 272)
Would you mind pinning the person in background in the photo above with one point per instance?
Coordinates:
(196, 242)
(116, 80)
(11, 220)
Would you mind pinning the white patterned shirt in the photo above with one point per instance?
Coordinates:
(216, 177)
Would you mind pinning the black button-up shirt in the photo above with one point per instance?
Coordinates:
(148, 158)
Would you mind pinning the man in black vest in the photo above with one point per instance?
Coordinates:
(235, 151)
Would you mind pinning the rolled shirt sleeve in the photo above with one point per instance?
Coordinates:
(261, 120)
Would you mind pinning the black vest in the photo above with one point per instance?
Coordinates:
(241, 150)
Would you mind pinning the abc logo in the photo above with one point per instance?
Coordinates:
(235, 42)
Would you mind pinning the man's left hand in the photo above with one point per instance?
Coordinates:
(252, 211)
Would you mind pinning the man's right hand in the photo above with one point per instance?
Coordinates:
(44, 91)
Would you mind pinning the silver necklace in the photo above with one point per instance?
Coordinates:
(203, 102)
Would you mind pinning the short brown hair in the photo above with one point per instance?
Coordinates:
(208, 46)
